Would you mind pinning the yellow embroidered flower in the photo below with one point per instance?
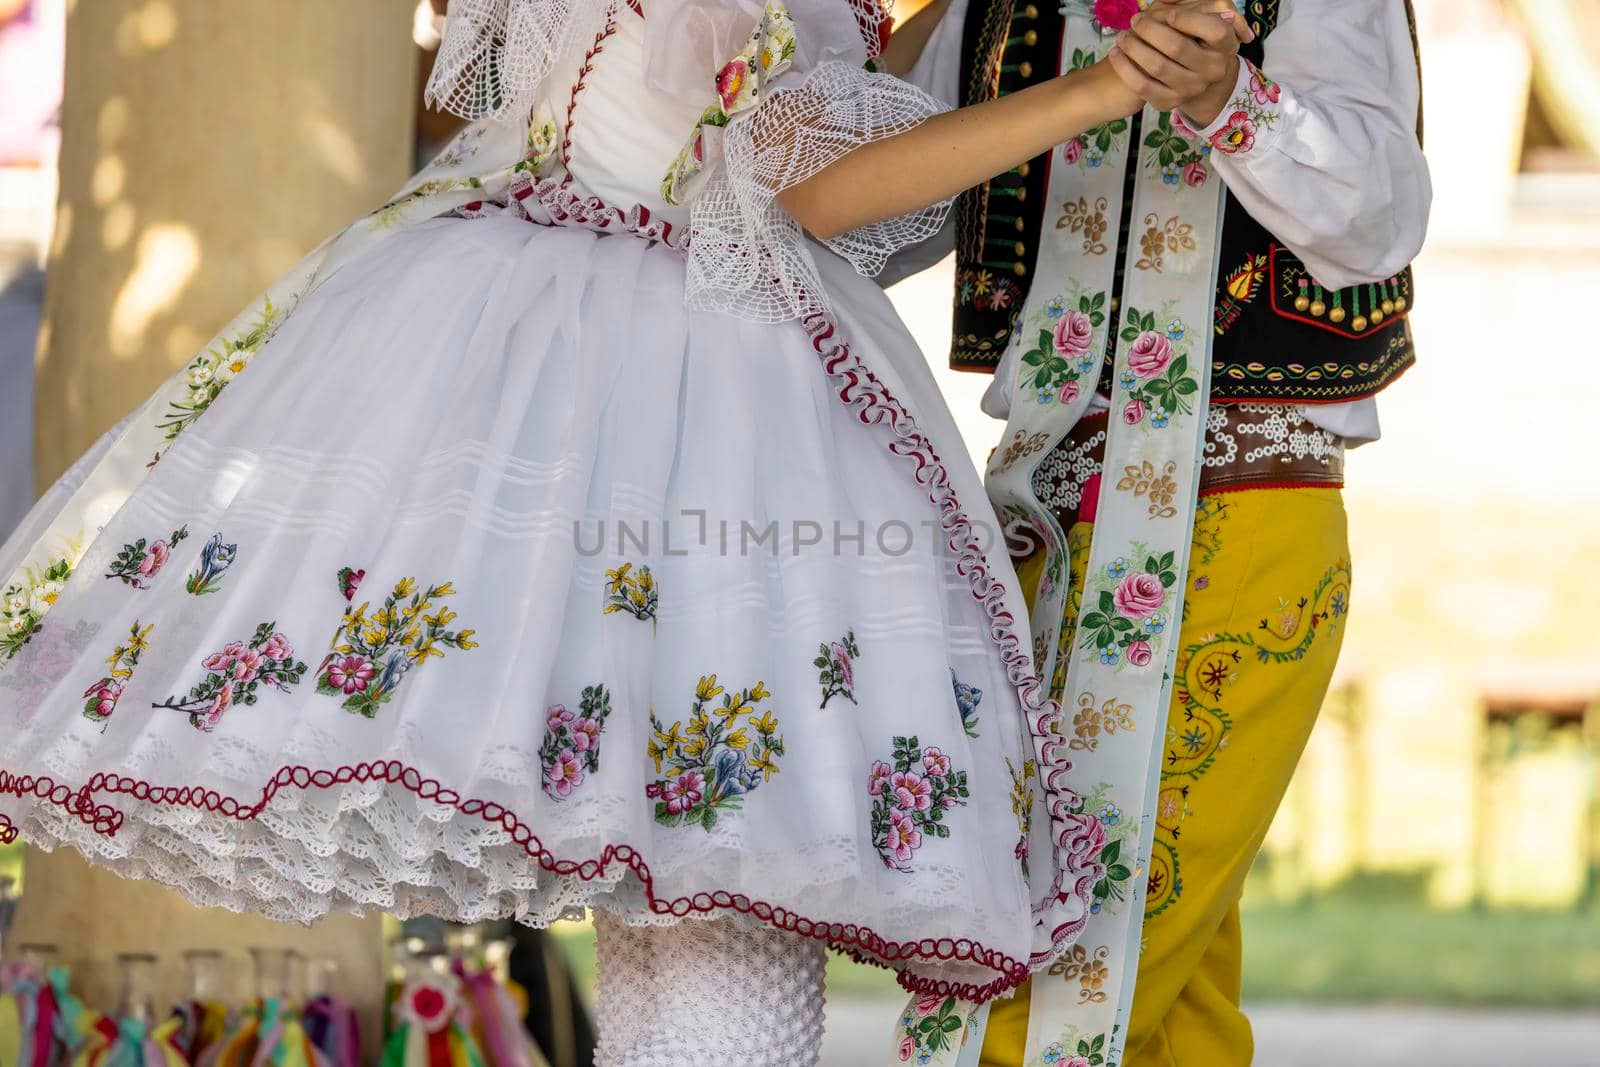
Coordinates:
(655, 752)
(760, 692)
(708, 688)
(464, 639)
(694, 748)
(405, 587)
(670, 739)
(766, 724)
(447, 589)
(739, 739)
(699, 724)
(764, 765)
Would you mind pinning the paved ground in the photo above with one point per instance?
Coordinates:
(1296, 1036)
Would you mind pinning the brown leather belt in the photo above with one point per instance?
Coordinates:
(1248, 446)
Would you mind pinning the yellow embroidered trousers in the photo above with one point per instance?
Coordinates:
(1269, 582)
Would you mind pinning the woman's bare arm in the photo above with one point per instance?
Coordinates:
(954, 151)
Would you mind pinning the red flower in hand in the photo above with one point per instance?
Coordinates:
(1115, 14)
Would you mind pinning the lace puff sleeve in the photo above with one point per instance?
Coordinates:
(797, 98)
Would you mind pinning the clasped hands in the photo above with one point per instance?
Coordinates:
(1182, 54)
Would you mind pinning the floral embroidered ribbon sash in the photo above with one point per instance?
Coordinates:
(1114, 659)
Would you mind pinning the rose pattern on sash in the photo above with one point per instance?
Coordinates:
(1178, 154)
(931, 1024)
(139, 562)
(1090, 148)
(1063, 353)
(1129, 618)
(710, 766)
(571, 747)
(1156, 378)
(234, 674)
(370, 654)
(910, 796)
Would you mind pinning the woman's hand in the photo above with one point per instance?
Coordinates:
(1183, 53)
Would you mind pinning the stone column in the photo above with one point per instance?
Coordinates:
(207, 144)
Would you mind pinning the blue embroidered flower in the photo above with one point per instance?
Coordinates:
(215, 558)
(1117, 569)
(1170, 174)
(1094, 157)
(1155, 624)
(1094, 909)
(1205, 149)
(1085, 364)
(1194, 739)
(1046, 395)
(1128, 380)
(967, 699)
(1159, 418)
(1109, 657)
(924, 1056)
(1054, 1054)
(1109, 815)
(1056, 308)
(908, 1019)
(1176, 329)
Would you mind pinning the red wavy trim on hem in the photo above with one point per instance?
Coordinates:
(532, 198)
(859, 941)
(862, 391)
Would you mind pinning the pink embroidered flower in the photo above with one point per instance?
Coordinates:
(1075, 1061)
(586, 734)
(1069, 392)
(935, 763)
(653, 790)
(911, 791)
(1139, 653)
(1073, 334)
(908, 1048)
(221, 661)
(207, 720)
(841, 660)
(731, 81)
(1181, 124)
(928, 1003)
(1000, 298)
(564, 774)
(1150, 354)
(558, 716)
(350, 673)
(277, 648)
(1264, 89)
(1195, 174)
(903, 837)
(1072, 151)
(1115, 14)
(1239, 135)
(1139, 595)
(350, 581)
(879, 777)
(246, 665)
(1022, 849)
(154, 558)
(683, 792)
(105, 694)
(1133, 413)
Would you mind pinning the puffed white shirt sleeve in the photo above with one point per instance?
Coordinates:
(1332, 166)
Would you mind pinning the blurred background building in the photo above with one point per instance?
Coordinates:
(1440, 846)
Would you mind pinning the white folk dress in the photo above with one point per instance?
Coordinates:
(489, 566)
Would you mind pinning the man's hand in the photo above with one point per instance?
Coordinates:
(1183, 54)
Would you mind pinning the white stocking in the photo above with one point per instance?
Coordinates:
(717, 993)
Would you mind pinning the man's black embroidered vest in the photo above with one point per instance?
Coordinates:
(1280, 336)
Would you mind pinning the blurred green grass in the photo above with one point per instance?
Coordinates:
(1371, 940)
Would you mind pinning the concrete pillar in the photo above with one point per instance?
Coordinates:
(207, 144)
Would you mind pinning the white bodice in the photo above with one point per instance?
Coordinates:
(617, 138)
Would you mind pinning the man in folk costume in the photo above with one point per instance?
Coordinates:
(1188, 315)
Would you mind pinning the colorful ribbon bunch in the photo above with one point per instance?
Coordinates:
(459, 1019)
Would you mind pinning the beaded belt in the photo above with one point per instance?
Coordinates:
(1248, 446)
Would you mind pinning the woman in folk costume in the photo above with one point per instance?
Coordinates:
(575, 530)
